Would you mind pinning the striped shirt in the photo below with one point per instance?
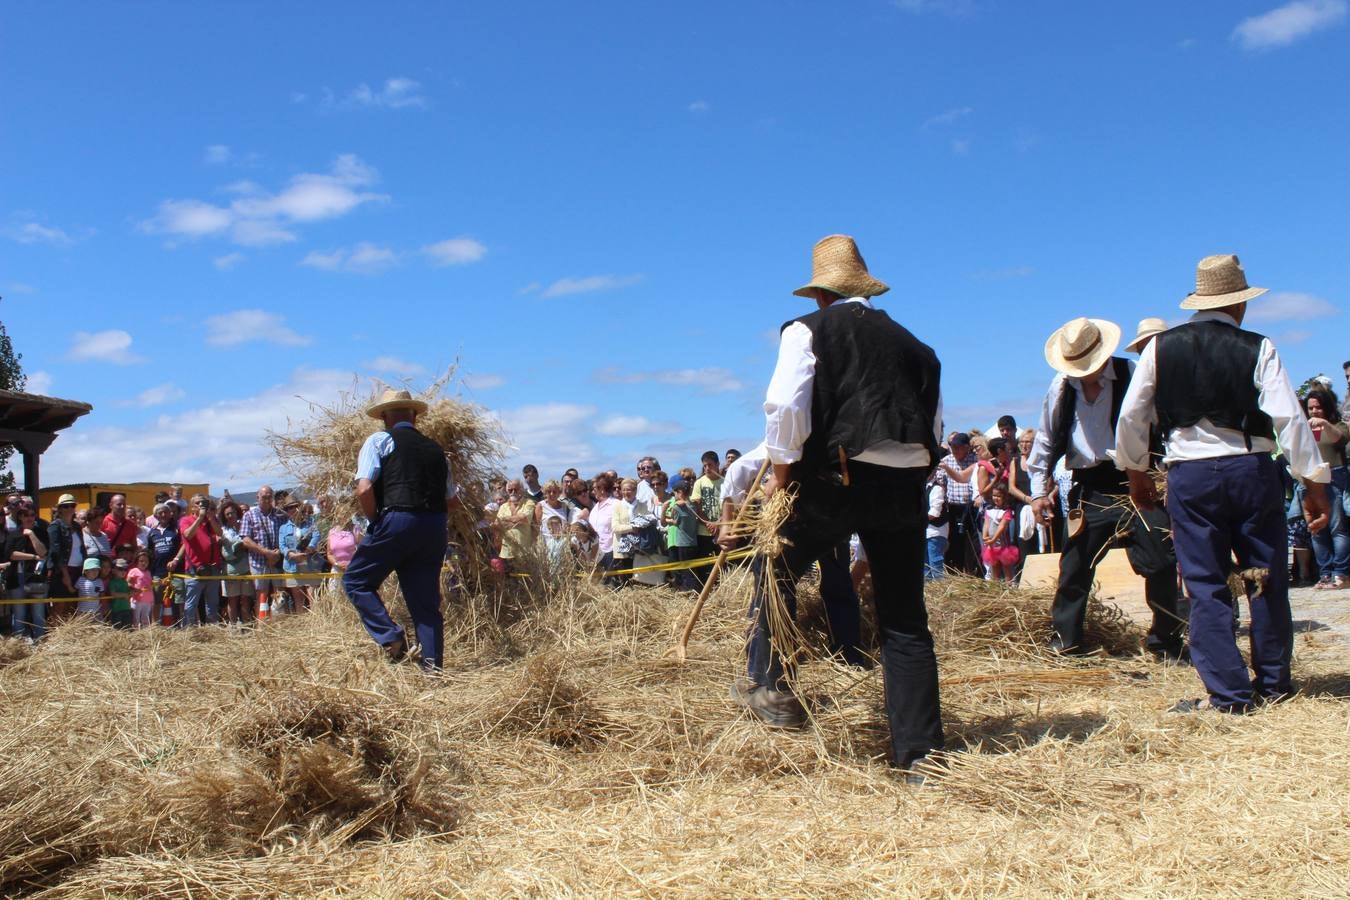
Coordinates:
(261, 528)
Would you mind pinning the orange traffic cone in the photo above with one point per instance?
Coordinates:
(166, 613)
(264, 608)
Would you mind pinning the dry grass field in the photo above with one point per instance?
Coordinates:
(560, 753)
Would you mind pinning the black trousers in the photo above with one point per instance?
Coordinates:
(963, 540)
(1112, 521)
(888, 509)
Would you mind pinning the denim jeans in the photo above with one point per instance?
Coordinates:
(200, 593)
(1331, 545)
(30, 619)
(936, 566)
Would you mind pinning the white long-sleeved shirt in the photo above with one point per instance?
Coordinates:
(787, 407)
(1090, 438)
(1204, 439)
(740, 475)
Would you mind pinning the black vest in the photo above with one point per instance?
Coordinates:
(1066, 407)
(1205, 371)
(874, 381)
(412, 476)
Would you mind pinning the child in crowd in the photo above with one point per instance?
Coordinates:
(141, 584)
(556, 540)
(679, 515)
(584, 548)
(89, 588)
(119, 608)
(1000, 546)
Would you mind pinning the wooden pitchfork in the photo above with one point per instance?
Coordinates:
(681, 650)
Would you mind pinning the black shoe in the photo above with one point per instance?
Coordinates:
(1171, 654)
(396, 651)
(1202, 704)
(925, 771)
(777, 709)
(1058, 645)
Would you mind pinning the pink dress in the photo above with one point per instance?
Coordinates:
(342, 545)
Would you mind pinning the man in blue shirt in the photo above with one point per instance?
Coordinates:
(405, 489)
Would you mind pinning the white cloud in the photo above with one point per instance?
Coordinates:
(37, 233)
(698, 106)
(39, 382)
(159, 395)
(1289, 306)
(550, 436)
(257, 218)
(216, 154)
(948, 117)
(1293, 336)
(18, 287)
(483, 382)
(112, 346)
(221, 443)
(1287, 24)
(365, 258)
(249, 325)
(565, 286)
(392, 364)
(228, 261)
(961, 147)
(633, 426)
(397, 93)
(455, 251)
(709, 380)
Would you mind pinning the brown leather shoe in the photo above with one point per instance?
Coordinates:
(777, 709)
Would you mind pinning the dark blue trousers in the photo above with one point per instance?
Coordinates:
(411, 544)
(1223, 506)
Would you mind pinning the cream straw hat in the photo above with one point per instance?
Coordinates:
(1082, 346)
(1147, 328)
(392, 399)
(1220, 281)
(836, 265)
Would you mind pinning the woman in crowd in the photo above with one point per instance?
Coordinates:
(91, 532)
(602, 519)
(621, 523)
(1331, 545)
(22, 550)
(649, 547)
(295, 540)
(515, 522)
(552, 507)
(65, 558)
(235, 557)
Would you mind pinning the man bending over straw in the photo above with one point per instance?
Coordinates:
(405, 488)
(853, 422)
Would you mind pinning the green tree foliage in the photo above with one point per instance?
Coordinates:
(11, 379)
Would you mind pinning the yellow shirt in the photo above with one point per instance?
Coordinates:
(516, 538)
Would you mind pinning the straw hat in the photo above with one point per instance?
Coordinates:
(1082, 346)
(66, 499)
(1220, 281)
(1147, 329)
(836, 265)
(392, 399)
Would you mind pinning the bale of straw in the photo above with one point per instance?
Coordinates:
(320, 453)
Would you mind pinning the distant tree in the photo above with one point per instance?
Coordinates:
(11, 379)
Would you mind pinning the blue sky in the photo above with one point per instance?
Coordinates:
(210, 214)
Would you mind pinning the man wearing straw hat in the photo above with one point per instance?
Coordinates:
(1078, 424)
(1148, 329)
(853, 420)
(405, 488)
(1223, 398)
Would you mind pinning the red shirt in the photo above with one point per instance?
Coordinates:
(119, 533)
(203, 548)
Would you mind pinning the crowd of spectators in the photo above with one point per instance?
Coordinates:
(127, 568)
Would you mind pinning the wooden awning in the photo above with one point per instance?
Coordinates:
(38, 414)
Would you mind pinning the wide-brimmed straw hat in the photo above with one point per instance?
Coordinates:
(1220, 281)
(392, 399)
(1082, 346)
(1147, 328)
(66, 500)
(836, 265)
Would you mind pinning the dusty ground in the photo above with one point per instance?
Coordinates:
(562, 755)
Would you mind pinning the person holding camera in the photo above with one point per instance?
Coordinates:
(201, 551)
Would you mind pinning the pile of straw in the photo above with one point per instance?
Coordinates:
(561, 753)
(320, 453)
